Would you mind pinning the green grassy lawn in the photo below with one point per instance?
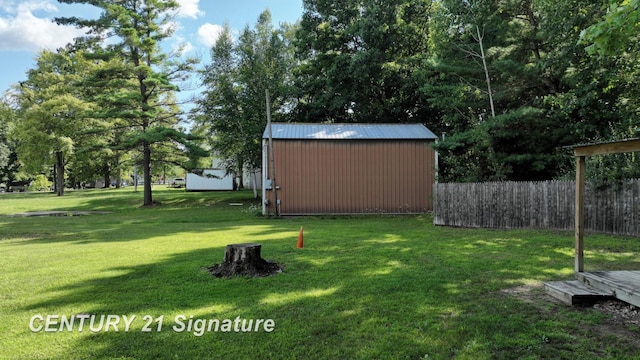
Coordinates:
(378, 287)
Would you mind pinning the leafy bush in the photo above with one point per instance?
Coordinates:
(41, 183)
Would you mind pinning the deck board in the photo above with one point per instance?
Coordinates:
(575, 292)
(623, 285)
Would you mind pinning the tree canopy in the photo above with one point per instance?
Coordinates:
(506, 83)
(137, 81)
(54, 114)
(232, 109)
(358, 61)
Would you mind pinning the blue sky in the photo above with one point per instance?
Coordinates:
(26, 27)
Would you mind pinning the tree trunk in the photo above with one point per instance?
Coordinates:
(59, 180)
(486, 70)
(254, 183)
(55, 179)
(146, 167)
(240, 176)
(244, 260)
(118, 172)
(107, 176)
(238, 253)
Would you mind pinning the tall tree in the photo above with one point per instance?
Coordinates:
(547, 92)
(232, 108)
(472, 79)
(613, 39)
(218, 108)
(53, 114)
(141, 75)
(359, 59)
(263, 64)
(8, 157)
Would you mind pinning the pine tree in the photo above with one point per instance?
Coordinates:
(138, 82)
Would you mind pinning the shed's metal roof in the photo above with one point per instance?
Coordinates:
(350, 131)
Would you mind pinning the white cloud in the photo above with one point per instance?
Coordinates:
(21, 30)
(189, 9)
(180, 46)
(208, 34)
(170, 27)
(186, 47)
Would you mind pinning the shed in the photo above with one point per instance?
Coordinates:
(348, 169)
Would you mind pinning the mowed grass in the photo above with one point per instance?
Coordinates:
(375, 287)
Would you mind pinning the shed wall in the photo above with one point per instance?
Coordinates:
(347, 177)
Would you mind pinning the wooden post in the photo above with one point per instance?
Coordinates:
(579, 226)
(580, 152)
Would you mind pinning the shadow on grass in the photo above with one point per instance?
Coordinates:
(122, 200)
(389, 288)
(179, 213)
(363, 287)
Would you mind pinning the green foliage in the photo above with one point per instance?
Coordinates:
(135, 87)
(548, 93)
(232, 109)
(617, 31)
(508, 82)
(493, 151)
(40, 183)
(614, 40)
(358, 61)
(53, 114)
(8, 157)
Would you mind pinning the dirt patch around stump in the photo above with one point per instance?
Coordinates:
(227, 270)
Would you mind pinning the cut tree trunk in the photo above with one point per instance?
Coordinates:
(244, 260)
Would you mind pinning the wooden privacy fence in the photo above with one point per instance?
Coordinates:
(539, 205)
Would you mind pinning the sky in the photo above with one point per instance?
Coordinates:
(26, 27)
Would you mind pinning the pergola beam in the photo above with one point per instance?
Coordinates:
(615, 147)
(581, 152)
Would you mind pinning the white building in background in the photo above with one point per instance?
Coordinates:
(216, 178)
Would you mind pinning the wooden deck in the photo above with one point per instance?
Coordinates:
(597, 285)
(575, 292)
(623, 285)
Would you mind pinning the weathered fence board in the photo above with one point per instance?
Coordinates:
(541, 205)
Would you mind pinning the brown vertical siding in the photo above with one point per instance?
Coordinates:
(347, 177)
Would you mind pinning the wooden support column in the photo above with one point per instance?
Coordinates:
(579, 226)
(581, 152)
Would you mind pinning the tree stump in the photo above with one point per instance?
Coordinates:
(244, 260)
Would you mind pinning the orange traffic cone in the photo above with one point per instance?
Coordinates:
(300, 239)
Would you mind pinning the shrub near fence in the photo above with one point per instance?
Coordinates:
(539, 205)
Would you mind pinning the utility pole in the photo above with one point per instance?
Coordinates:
(271, 154)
